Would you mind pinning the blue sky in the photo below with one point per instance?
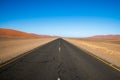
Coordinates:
(68, 18)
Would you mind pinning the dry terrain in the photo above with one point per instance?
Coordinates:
(107, 49)
(14, 43)
(12, 47)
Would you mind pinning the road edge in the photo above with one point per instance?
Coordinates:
(20, 56)
(97, 57)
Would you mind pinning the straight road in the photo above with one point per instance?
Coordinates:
(58, 60)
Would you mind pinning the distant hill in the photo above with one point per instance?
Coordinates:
(107, 36)
(15, 33)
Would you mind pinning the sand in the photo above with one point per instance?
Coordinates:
(107, 49)
(12, 47)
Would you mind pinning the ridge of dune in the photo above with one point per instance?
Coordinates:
(107, 36)
(16, 33)
(14, 43)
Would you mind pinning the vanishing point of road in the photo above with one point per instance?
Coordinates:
(58, 60)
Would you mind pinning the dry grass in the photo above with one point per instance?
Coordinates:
(106, 49)
(12, 47)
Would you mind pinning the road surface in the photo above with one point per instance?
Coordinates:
(58, 60)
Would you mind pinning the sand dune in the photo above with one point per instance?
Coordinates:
(15, 33)
(107, 36)
(14, 43)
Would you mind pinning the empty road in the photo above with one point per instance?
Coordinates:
(58, 60)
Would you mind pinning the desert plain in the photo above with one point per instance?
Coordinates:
(12, 47)
(107, 49)
(14, 43)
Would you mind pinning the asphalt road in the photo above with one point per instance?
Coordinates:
(58, 60)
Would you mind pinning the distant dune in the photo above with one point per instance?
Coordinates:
(15, 33)
(107, 36)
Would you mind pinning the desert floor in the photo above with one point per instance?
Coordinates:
(12, 47)
(107, 49)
